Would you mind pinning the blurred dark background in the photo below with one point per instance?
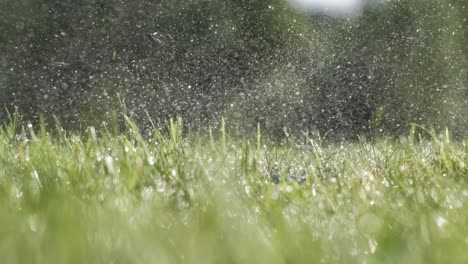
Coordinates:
(84, 62)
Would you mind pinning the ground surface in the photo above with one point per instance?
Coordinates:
(170, 199)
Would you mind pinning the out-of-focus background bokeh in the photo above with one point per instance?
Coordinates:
(340, 68)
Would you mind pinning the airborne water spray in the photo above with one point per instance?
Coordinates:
(330, 7)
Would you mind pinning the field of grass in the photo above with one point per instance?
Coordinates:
(173, 198)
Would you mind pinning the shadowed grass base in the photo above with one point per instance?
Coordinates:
(175, 199)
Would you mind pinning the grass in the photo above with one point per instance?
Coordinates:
(184, 199)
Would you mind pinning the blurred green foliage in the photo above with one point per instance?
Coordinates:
(251, 61)
(174, 198)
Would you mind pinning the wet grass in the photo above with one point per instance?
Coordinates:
(181, 199)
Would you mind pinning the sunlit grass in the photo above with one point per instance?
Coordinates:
(175, 198)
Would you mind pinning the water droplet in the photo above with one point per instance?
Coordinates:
(36, 178)
(372, 245)
(151, 160)
(110, 164)
(247, 189)
(32, 223)
(440, 221)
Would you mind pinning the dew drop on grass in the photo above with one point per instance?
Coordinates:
(367, 187)
(465, 193)
(36, 179)
(247, 189)
(16, 192)
(451, 201)
(385, 183)
(151, 160)
(440, 221)
(372, 245)
(98, 156)
(110, 164)
(81, 158)
(32, 223)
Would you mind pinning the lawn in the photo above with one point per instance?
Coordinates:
(98, 197)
